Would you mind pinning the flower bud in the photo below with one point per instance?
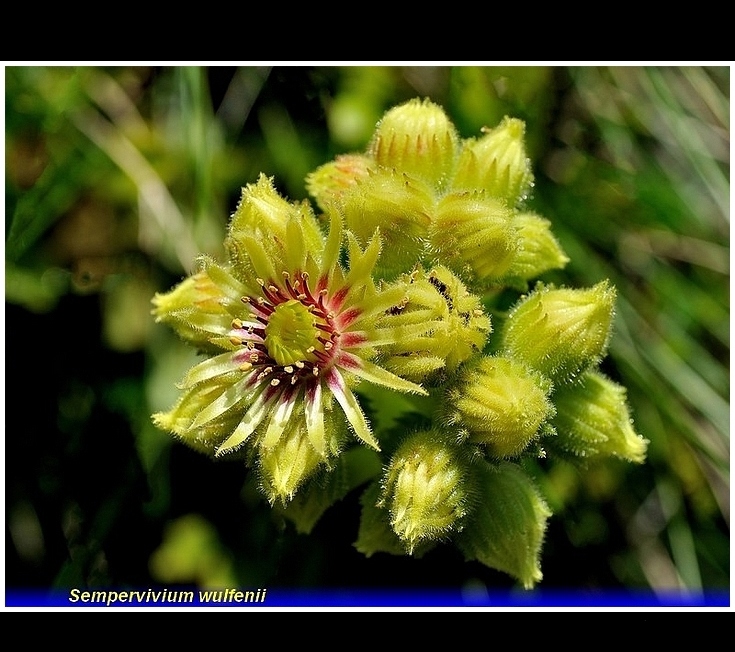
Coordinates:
(507, 529)
(560, 332)
(497, 163)
(400, 208)
(593, 420)
(538, 249)
(474, 235)
(459, 327)
(263, 215)
(416, 138)
(329, 182)
(502, 404)
(426, 489)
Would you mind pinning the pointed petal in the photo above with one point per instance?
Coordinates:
(351, 408)
(383, 301)
(375, 374)
(362, 264)
(228, 399)
(259, 258)
(208, 322)
(252, 419)
(229, 285)
(391, 335)
(314, 411)
(330, 257)
(295, 251)
(279, 420)
(210, 368)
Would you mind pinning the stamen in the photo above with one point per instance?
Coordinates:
(236, 323)
(275, 382)
(322, 357)
(289, 287)
(235, 340)
(306, 292)
(272, 294)
(288, 369)
(254, 357)
(245, 366)
(294, 379)
(299, 364)
(264, 373)
(315, 370)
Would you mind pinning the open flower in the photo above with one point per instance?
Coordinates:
(296, 332)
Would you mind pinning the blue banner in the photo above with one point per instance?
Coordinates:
(259, 597)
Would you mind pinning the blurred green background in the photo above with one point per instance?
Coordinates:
(117, 177)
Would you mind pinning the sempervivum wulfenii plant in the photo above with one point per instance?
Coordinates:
(392, 283)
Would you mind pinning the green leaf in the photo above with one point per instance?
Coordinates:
(508, 527)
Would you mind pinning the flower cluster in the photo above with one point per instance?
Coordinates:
(392, 284)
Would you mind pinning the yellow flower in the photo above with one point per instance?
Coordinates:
(295, 332)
